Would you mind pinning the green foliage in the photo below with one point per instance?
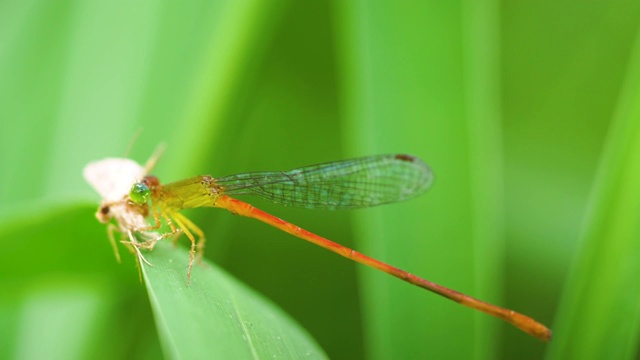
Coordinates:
(216, 316)
(527, 112)
(601, 296)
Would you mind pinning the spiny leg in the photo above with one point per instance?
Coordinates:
(134, 249)
(132, 246)
(192, 252)
(174, 231)
(136, 245)
(149, 244)
(193, 227)
(156, 221)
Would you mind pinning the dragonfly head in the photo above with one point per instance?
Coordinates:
(139, 193)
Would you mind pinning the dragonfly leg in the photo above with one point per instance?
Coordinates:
(139, 258)
(136, 245)
(178, 218)
(174, 230)
(156, 222)
(201, 238)
(149, 244)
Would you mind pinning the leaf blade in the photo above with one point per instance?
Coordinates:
(216, 316)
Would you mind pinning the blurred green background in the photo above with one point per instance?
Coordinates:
(527, 112)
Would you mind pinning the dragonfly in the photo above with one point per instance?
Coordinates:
(140, 205)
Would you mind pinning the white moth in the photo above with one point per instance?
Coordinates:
(112, 179)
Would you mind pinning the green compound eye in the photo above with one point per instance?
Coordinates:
(139, 193)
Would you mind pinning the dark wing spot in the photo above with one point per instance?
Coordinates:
(407, 158)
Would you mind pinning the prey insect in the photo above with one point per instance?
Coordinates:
(348, 184)
(112, 179)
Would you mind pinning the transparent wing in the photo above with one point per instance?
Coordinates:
(347, 184)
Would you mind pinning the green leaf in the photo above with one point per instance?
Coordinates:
(57, 271)
(217, 317)
(599, 316)
(417, 93)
